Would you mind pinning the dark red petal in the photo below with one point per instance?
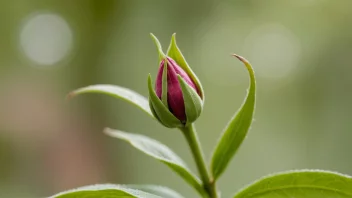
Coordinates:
(174, 94)
(159, 80)
(183, 74)
(174, 91)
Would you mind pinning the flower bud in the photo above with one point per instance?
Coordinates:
(174, 92)
(177, 99)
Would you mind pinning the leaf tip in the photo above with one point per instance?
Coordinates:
(240, 58)
(173, 38)
(149, 78)
(109, 132)
(70, 95)
(247, 64)
(152, 35)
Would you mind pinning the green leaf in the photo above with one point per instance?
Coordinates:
(158, 46)
(300, 184)
(105, 191)
(163, 114)
(160, 152)
(117, 92)
(175, 53)
(193, 103)
(236, 130)
(157, 190)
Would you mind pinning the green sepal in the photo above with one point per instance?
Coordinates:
(175, 53)
(162, 113)
(193, 103)
(164, 84)
(158, 46)
(153, 111)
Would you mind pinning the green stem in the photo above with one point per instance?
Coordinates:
(192, 139)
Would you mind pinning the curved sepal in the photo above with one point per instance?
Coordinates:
(153, 111)
(158, 46)
(175, 53)
(193, 103)
(163, 114)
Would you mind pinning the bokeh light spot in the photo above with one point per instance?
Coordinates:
(274, 50)
(46, 38)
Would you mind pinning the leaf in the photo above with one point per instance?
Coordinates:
(236, 130)
(300, 184)
(160, 152)
(175, 53)
(157, 190)
(105, 191)
(117, 92)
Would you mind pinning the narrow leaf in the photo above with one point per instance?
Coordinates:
(175, 53)
(160, 152)
(236, 130)
(157, 190)
(297, 184)
(117, 92)
(105, 191)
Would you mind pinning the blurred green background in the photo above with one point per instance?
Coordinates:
(300, 50)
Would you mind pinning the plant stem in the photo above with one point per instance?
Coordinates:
(194, 144)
